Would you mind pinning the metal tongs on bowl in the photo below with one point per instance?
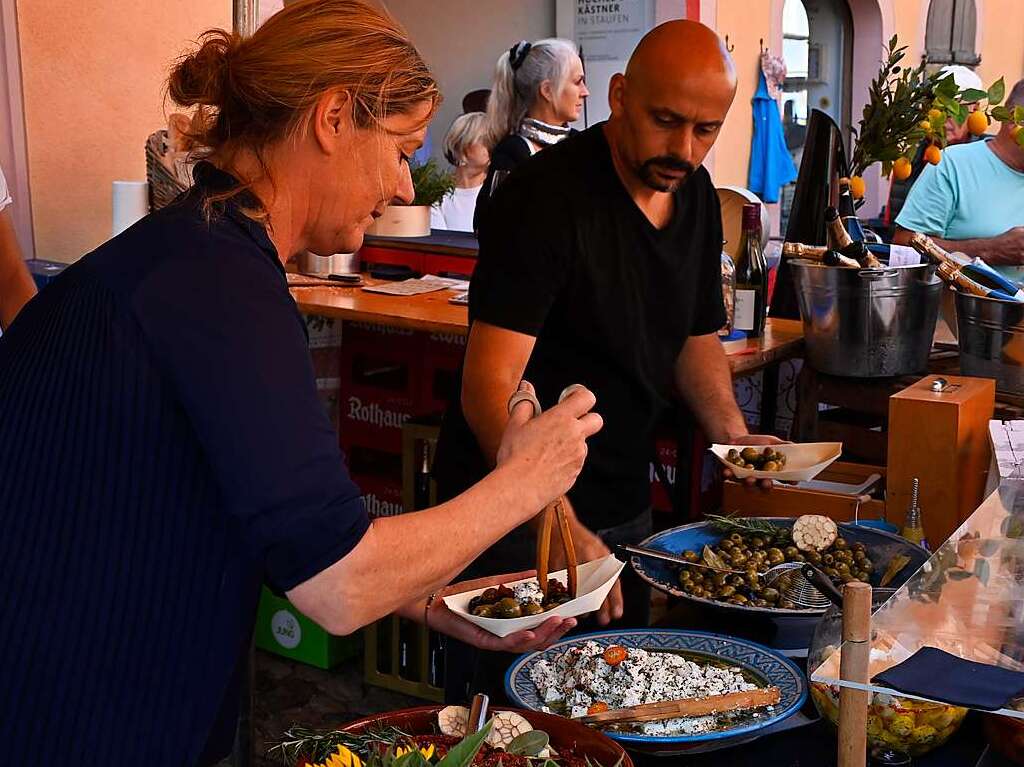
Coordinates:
(554, 510)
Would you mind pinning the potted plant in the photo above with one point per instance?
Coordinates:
(431, 185)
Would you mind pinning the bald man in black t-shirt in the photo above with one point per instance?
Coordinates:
(600, 264)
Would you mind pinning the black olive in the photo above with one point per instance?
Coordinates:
(489, 596)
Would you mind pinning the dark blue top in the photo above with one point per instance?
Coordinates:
(162, 452)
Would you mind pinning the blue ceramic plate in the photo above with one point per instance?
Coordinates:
(664, 576)
(767, 666)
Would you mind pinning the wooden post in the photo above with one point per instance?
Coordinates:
(853, 667)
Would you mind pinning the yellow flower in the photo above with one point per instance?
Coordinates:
(428, 752)
(341, 758)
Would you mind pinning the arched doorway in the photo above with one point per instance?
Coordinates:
(817, 45)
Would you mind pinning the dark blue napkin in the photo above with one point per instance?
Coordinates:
(937, 675)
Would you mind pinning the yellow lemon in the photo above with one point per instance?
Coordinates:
(934, 114)
(901, 169)
(933, 154)
(977, 123)
(856, 187)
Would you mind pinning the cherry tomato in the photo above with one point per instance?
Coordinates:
(615, 654)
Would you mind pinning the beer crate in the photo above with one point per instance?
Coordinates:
(283, 630)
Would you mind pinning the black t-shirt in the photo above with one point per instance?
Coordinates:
(567, 256)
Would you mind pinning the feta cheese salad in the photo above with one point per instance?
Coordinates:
(591, 678)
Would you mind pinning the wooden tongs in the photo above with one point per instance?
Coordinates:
(553, 510)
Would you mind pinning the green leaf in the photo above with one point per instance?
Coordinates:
(431, 183)
(1018, 115)
(970, 95)
(947, 87)
(463, 752)
(996, 92)
(529, 743)
(1002, 114)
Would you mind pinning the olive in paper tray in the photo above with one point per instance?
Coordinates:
(596, 579)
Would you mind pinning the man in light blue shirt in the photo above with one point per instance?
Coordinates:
(973, 200)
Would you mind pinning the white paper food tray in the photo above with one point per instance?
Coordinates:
(803, 461)
(596, 579)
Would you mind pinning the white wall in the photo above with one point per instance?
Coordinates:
(462, 39)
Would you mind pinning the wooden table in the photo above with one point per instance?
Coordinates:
(782, 339)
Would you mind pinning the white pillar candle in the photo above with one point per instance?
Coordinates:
(130, 203)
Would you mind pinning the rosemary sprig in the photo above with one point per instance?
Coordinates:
(733, 523)
(317, 746)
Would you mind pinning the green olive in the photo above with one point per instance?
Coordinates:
(757, 542)
(791, 551)
(785, 604)
(813, 557)
(738, 560)
(733, 455)
(846, 577)
(726, 545)
(736, 581)
(831, 572)
(759, 603)
(484, 611)
(697, 577)
(698, 591)
(532, 608)
(750, 454)
(841, 544)
(688, 586)
(828, 559)
(867, 566)
(508, 608)
(771, 466)
(798, 557)
(691, 556)
(770, 594)
(842, 568)
(685, 576)
(775, 557)
(720, 578)
(726, 591)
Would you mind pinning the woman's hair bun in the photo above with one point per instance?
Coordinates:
(202, 77)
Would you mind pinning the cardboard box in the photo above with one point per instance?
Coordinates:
(283, 630)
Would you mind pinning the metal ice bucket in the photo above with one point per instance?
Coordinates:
(867, 323)
(992, 340)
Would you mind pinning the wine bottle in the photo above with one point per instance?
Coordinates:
(966, 274)
(848, 212)
(913, 525)
(847, 246)
(820, 253)
(751, 275)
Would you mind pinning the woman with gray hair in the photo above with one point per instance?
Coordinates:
(465, 147)
(538, 90)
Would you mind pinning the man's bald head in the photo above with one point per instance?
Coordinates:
(667, 109)
(680, 50)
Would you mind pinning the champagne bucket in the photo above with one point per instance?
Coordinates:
(992, 340)
(867, 323)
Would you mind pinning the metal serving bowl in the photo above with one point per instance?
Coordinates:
(787, 630)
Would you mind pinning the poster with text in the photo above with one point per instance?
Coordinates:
(608, 30)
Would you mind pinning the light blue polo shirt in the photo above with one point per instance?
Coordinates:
(970, 194)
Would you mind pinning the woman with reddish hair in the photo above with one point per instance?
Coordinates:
(162, 448)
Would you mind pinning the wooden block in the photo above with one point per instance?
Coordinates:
(942, 439)
(785, 501)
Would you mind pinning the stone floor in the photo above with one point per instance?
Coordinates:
(287, 693)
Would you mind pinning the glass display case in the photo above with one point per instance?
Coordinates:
(967, 600)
